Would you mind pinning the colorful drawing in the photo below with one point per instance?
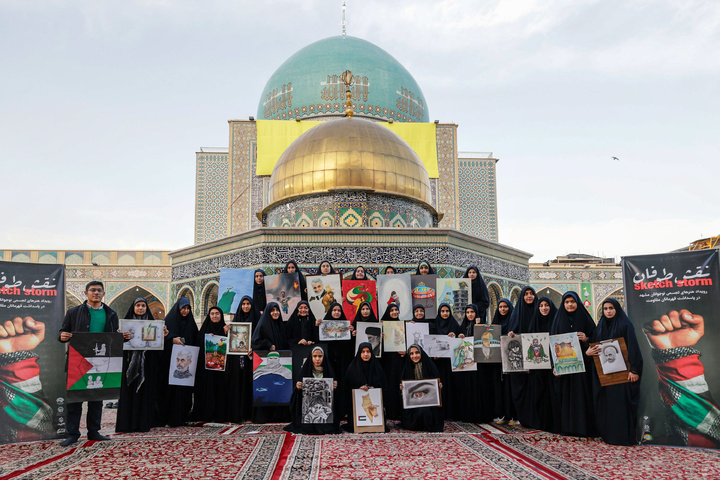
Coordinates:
(284, 289)
(368, 413)
(536, 351)
(235, 283)
(272, 378)
(463, 354)
(395, 289)
(394, 332)
(94, 366)
(354, 293)
(424, 293)
(457, 293)
(215, 352)
(239, 337)
(323, 291)
(566, 354)
(487, 343)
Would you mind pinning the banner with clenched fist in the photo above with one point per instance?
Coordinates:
(673, 301)
(32, 361)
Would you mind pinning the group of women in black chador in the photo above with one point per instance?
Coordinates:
(573, 404)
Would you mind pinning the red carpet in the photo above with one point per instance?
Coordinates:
(462, 451)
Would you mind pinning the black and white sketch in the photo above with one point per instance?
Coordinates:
(437, 346)
(512, 354)
(415, 333)
(421, 393)
(370, 332)
(611, 358)
(146, 334)
(317, 400)
(183, 364)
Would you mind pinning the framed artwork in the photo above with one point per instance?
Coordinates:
(487, 343)
(334, 330)
(317, 400)
(437, 346)
(215, 352)
(368, 413)
(421, 393)
(354, 292)
(239, 337)
(457, 293)
(183, 365)
(272, 378)
(423, 288)
(536, 351)
(370, 332)
(511, 353)
(284, 289)
(395, 289)
(323, 291)
(463, 354)
(612, 363)
(146, 334)
(566, 354)
(394, 340)
(415, 333)
(235, 283)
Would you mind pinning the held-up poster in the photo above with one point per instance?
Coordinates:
(32, 366)
(673, 301)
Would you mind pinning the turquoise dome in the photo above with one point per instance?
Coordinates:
(308, 84)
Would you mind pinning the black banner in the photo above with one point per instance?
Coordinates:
(673, 301)
(32, 361)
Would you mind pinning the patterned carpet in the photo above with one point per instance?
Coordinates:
(462, 451)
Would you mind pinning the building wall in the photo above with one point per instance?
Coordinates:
(211, 196)
(478, 197)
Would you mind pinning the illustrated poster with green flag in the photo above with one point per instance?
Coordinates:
(94, 366)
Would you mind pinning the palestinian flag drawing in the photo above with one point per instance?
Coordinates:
(94, 366)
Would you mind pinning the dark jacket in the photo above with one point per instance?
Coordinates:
(77, 319)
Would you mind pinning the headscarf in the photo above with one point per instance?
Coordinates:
(306, 371)
(332, 269)
(424, 319)
(395, 270)
(500, 319)
(480, 294)
(210, 327)
(179, 326)
(269, 331)
(522, 314)
(136, 365)
(328, 314)
(301, 278)
(359, 318)
(423, 262)
(620, 327)
(368, 373)
(259, 297)
(251, 317)
(467, 326)
(577, 321)
(444, 326)
(425, 368)
(386, 315)
(299, 328)
(540, 322)
(354, 275)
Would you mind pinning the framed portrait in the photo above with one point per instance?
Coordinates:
(612, 363)
(323, 291)
(421, 393)
(368, 413)
(183, 365)
(239, 337)
(370, 332)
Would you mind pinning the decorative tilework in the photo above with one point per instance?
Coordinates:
(446, 187)
(478, 198)
(580, 274)
(211, 170)
(257, 202)
(243, 135)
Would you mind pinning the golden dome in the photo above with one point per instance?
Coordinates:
(349, 154)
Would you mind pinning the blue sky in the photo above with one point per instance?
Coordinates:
(105, 103)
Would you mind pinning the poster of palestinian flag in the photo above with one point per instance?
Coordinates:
(94, 366)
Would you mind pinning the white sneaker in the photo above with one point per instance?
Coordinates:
(513, 422)
(499, 420)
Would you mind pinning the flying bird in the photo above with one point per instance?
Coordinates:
(615, 158)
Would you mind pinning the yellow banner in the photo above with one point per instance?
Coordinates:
(275, 136)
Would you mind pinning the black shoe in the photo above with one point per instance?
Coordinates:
(97, 437)
(68, 441)
(109, 405)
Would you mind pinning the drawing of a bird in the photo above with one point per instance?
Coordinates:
(615, 158)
